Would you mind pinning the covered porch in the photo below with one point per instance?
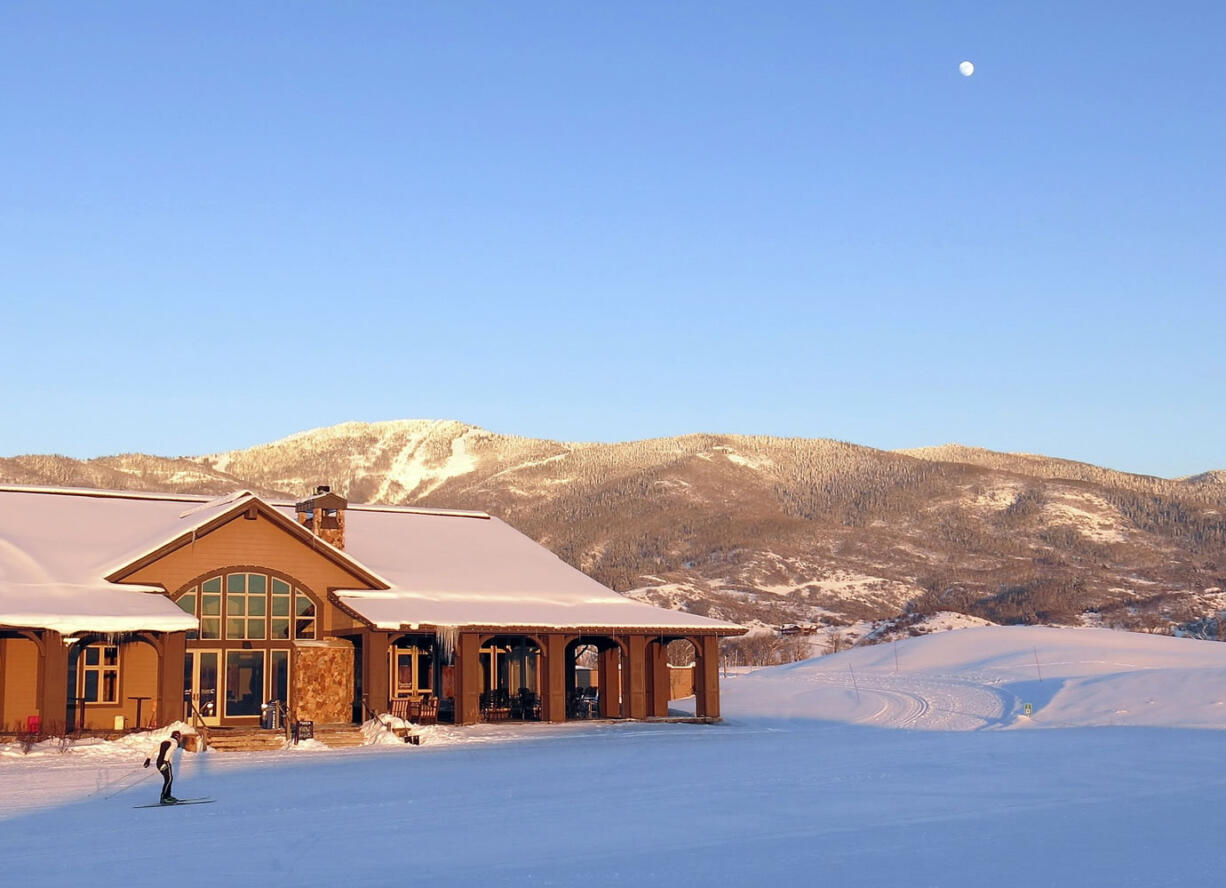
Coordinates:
(476, 674)
(53, 684)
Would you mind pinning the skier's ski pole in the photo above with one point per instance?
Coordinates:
(128, 784)
(104, 785)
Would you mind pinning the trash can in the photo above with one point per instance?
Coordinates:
(270, 716)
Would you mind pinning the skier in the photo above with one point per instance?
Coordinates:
(165, 751)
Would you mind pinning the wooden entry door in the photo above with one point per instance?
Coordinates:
(202, 685)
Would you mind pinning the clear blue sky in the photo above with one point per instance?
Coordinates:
(223, 223)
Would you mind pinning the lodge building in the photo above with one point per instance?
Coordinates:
(136, 609)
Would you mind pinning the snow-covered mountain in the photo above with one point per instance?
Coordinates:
(770, 529)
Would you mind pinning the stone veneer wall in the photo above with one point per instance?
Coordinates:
(323, 681)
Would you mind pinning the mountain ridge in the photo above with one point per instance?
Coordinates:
(764, 529)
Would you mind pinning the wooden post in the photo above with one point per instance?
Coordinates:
(468, 679)
(706, 676)
(169, 702)
(569, 683)
(553, 698)
(375, 678)
(634, 677)
(52, 683)
(659, 680)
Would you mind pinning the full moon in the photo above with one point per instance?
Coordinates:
(966, 68)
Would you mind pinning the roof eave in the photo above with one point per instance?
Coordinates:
(725, 630)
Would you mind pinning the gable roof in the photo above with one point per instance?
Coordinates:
(214, 513)
(64, 551)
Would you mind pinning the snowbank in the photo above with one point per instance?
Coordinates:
(985, 677)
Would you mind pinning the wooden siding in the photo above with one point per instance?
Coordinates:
(252, 544)
(19, 674)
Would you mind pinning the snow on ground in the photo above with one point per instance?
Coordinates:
(868, 632)
(1091, 516)
(998, 497)
(410, 469)
(984, 677)
(909, 764)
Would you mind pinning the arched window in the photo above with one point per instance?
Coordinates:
(246, 606)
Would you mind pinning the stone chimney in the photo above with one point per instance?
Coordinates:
(324, 514)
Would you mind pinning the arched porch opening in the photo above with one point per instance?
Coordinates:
(21, 659)
(670, 668)
(416, 667)
(594, 677)
(113, 682)
(510, 677)
(706, 675)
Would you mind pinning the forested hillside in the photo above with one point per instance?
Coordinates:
(770, 529)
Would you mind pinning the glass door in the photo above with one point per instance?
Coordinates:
(244, 684)
(201, 674)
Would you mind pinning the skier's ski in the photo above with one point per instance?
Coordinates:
(200, 801)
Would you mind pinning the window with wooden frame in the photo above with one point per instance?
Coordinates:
(253, 607)
(246, 606)
(187, 604)
(210, 608)
(282, 601)
(99, 670)
(304, 616)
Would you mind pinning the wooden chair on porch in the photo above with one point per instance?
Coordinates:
(419, 712)
(583, 703)
(526, 705)
(427, 710)
(496, 705)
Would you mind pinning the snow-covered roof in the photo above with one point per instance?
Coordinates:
(474, 570)
(442, 568)
(57, 545)
(73, 609)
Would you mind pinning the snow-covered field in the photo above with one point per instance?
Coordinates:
(911, 763)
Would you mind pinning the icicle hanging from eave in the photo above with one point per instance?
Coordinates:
(446, 638)
(111, 638)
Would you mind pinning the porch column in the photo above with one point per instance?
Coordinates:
(468, 679)
(170, 677)
(53, 683)
(706, 676)
(659, 685)
(374, 669)
(610, 683)
(634, 677)
(553, 700)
